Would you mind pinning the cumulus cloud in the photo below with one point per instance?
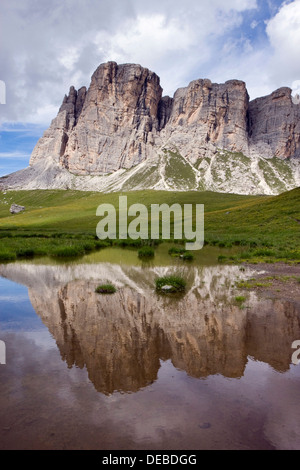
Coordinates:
(269, 62)
(284, 34)
(296, 87)
(41, 43)
(48, 46)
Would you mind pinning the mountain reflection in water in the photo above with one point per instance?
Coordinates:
(121, 338)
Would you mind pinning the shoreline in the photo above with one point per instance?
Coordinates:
(278, 280)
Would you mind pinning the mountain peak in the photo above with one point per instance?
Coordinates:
(122, 121)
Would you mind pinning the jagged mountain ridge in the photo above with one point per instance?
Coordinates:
(122, 133)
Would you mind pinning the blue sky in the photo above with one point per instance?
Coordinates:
(16, 143)
(46, 46)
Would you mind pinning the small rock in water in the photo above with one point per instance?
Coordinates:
(15, 209)
(167, 288)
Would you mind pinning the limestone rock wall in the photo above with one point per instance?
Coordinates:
(274, 125)
(122, 120)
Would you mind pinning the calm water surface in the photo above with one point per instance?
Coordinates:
(136, 370)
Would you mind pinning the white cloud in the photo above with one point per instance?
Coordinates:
(254, 24)
(296, 87)
(284, 34)
(43, 113)
(48, 46)
(269, 64)
(154, 42)
(69, 57)
(14, 155)
(151, 35)
(175, 45)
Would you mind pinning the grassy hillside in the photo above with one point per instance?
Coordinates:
(55, 220)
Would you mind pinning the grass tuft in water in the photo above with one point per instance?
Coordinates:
(146, 252)
(240, 299)
(188, 256)
(174, 284)
(176, 251)
(106, 289)
(68, 252)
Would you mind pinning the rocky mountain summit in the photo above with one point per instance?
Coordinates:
(122, 133)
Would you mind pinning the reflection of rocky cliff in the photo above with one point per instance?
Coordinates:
(121, 338)
(271, 329)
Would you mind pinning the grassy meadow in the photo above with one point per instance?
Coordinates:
(63, 224)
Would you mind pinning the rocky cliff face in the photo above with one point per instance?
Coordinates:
(274, 125)
(122, 122)
(110, 126)
(54, 141)
(205, 116)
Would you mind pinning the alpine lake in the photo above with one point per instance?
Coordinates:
(208, 368)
